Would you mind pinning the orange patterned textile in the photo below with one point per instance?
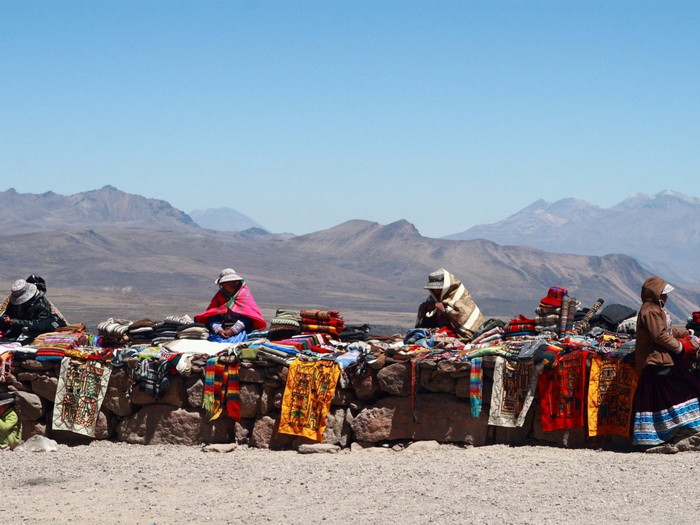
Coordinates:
(611, 389)
(307, 398)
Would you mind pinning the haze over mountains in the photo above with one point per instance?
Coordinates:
(138, 264)
(661, 231)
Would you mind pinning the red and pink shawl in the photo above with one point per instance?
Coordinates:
(241, 303)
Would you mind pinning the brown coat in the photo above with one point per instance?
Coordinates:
(654, 341)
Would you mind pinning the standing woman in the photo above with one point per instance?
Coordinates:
(232, 313)
(666, 402)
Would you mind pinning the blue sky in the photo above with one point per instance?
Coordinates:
(303, 115)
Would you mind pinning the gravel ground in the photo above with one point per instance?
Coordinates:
(108, 482)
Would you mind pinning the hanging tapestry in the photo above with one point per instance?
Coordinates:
(221, 389)
(611, 390)
(512, 394)
(562, 390)
(79, 394)
(307, 398)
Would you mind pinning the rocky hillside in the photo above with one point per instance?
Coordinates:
(661, 231)
(106, 208)
(357, 265)
(224, 219)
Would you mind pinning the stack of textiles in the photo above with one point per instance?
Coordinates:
(277, 352)
(114, 331)
(48, 354)
(193, 331)
(141, 331)
(549, 312)
(610, 317)
(325, 322)
(63, 340)
(357, 332)
(519, 326)
(694, 322)
(284, 325)
(165, 331)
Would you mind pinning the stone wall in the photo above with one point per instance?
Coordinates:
(376, 407)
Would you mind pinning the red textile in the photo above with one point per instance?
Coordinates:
(562, 392)
(241, 303)
(335, 321)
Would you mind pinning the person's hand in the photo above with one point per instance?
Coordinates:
(6, 319)
(226, 333)
(440, 307)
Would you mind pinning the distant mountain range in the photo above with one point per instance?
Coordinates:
(661, 231)
(162, 262)
(224, 219)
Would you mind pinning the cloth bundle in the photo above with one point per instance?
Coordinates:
(519, 326)
(61, 340)
(141, 331)
(192, 331)
(284, 324)
(114, 331)
(325, 322)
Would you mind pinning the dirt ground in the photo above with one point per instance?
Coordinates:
(109, 483)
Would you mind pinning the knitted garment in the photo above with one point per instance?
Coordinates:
(476, 384)
(221, 389)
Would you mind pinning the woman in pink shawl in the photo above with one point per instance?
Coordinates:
(232, 314)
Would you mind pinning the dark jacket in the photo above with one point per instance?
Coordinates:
(31, 319)
(655, 342)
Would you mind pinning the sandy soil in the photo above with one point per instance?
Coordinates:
(119, 483)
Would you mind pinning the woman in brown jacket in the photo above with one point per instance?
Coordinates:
(666, 402)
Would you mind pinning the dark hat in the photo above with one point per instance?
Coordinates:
(22, 291)
(436, 280)
(6, 399)
(555, 296)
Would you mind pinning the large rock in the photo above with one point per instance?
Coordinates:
(40, 366)
(242, 430)
(441, 417)
(365, 384)
(175, 395)
(436, 381)
(195, 391)
(343, 397)
(250, 375)
(218, 431)
(395, 379)
(28, 406)
(267, 399)
(250, 399)
(117, 401)
(265, 435)
(45, 386)
(33, 428)
(162, 425)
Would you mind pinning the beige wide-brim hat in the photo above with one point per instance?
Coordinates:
(228, 274)
(22, 291)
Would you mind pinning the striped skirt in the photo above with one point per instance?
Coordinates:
(666, 405)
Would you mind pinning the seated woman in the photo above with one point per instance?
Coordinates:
(232, 314)
(449, 305)
(27, 313)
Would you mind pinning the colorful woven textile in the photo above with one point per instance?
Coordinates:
(221, 389)
(81, 389)
(476, 384)
(562, 390)
(514, 386)
(611, 387)
(242, 303)
(307, 398)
